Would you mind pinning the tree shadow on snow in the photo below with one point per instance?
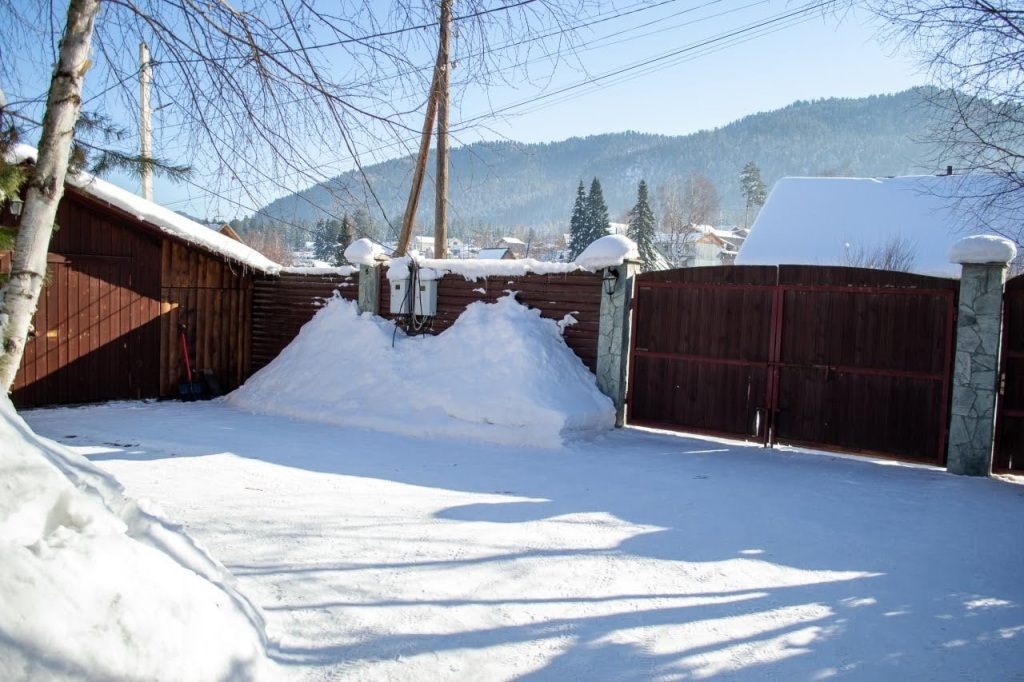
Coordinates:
(907, 572)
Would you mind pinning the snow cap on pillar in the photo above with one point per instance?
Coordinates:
(608, 252)
(364, 252)
(982, 248)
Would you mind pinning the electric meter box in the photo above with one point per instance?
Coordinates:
(426, 298)
(400, 296)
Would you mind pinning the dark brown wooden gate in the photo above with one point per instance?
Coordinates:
(1009, 451)
(839, 358)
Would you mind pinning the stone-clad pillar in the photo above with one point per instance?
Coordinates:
(613, 336)
(369, 288)
(976, 366)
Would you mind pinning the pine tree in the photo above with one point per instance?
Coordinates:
(578, 224)
(641, 229)
(752, 188)
(597, 224)
(325, 239)
(12, 176)
(345, 238)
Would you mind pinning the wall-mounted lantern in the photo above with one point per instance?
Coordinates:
(610, 280)
(15, 206)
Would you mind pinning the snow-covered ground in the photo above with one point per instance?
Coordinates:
(572, 553)
(636, 556)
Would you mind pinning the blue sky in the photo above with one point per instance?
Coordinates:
(705, 64)
(821, 56)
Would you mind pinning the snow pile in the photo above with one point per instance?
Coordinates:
(852, 221)
(487, 378)
(94, 587)
(607, 252)
(983, 248)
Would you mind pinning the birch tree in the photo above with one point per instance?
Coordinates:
(45, 187)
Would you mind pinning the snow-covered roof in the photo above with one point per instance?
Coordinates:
(491, 254)
(512, 241)
(825, 221)
(164, 219)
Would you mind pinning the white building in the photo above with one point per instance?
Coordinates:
(853, 221)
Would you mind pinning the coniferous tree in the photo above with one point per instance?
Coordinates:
(578, 224)
(753, 190)
(325, 239)
(597, 223)
(12, 176)
(345, 238)
(641, 229)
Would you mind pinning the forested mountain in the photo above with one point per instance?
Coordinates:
(505, 186)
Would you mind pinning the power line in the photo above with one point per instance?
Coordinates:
(362, 39)
(590, 81)
(566, 93)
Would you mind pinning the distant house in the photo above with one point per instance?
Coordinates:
(513, 244)
(124, 275)
(860, 221)
(425, 246)
(224, 229)
(700, 246)
(495, 254)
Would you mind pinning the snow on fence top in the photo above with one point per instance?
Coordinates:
(164, 219)
(608, 251)
(851, 221)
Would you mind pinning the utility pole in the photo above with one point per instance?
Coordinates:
(443, 84)
(145, 143)
(421, 167)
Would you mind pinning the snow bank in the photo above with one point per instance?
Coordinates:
(487, 378)
(94, 587)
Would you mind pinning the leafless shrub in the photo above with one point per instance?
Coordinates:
(897, 254)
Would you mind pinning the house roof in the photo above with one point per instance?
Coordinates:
(492, 254)
(161, 218)
(224, 229)
(823, 221)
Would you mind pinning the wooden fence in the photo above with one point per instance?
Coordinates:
(577, 294)
(1009, 454)
(836, 358)
(282, 304)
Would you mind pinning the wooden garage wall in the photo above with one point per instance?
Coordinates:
(96, 326)
(213, 298)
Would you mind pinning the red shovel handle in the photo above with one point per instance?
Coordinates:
(184, 351)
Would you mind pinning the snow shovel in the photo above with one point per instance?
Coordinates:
(193, 387)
